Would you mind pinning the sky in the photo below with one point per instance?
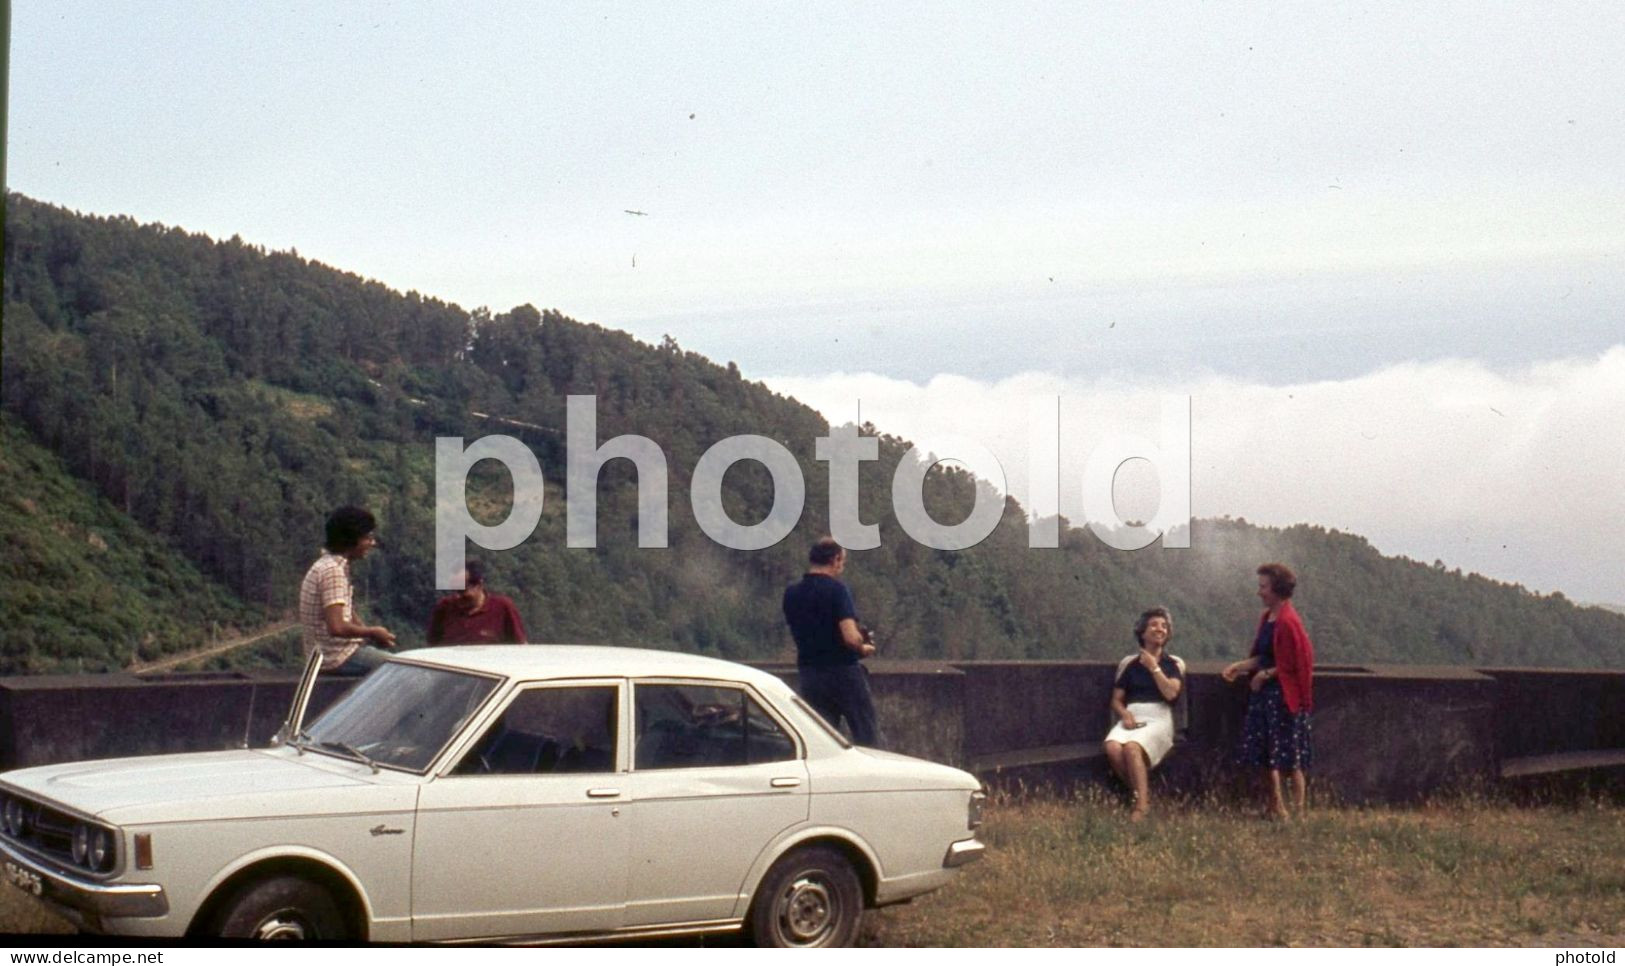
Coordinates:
(1377, 247)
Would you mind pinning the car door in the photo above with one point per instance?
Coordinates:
(525, 834)
(716, 776)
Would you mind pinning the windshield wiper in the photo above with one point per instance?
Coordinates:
(300, 740)
(350, 749)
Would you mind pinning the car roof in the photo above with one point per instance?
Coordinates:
(531, 661)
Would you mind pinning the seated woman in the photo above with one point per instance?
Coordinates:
(1142, 698)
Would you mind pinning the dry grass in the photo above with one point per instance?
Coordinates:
(1075, 873)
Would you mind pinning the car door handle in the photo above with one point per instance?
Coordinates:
(786, 782)
(603, 793)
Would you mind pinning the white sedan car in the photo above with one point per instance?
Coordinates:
(506, 794)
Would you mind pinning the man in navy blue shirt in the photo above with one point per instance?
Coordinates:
(824, 621)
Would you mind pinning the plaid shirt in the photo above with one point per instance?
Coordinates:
(326, 583)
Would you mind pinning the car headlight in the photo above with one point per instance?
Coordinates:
(101, 849)
(16, 818)
(93, 847)
(978, 803)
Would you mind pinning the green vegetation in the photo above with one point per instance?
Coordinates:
(1076, 873)
(224, 398)
(85, 589)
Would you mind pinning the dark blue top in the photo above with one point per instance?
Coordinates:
(1264, 647)
(814, 608)
(1138, 684)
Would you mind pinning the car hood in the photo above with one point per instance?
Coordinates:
(175, 786)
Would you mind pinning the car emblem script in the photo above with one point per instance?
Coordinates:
(378, 830)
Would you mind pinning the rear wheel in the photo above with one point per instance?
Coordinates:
(809, 898)
(281, 908)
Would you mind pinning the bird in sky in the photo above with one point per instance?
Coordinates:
(631, 212)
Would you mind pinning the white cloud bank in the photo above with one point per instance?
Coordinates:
(1515, 475)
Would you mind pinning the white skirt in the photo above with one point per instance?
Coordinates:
(1155, 732)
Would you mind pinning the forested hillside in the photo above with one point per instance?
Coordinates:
(76, 574)
(224, 398)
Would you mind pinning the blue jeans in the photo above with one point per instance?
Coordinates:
(364, 661)
(842, 691)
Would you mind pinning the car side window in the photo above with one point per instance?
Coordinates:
(697, 726)
(548, 731)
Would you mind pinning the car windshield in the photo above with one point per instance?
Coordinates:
(399, 716)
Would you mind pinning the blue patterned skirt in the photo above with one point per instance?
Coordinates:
(1271, 735)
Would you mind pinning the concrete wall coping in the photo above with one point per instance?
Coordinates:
(1422, 672)
(879, 666)
(875, 666)
(1556, 671)
(126, 679)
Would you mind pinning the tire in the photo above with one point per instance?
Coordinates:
(809, 898)
(284, 907)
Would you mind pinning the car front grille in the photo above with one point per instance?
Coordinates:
(44, 830)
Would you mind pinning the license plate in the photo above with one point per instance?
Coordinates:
(24, 879)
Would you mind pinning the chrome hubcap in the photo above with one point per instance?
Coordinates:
(282, 926)
(807, 912)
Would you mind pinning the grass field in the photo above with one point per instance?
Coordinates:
(1075, 873)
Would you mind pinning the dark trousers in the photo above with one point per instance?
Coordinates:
(842, 691)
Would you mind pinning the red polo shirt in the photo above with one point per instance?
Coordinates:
(496, 622)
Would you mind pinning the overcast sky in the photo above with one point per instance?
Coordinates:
(1377, 244)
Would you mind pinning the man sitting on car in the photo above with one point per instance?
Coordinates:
(327, 614)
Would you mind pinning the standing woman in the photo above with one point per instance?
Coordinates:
(1142, 698)
(1275, 734)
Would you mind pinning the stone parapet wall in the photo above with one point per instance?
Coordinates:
(1382, 732)
(57, 718)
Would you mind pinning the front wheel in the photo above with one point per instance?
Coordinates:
(809, 898)
(285, 907)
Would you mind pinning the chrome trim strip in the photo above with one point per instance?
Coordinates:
(301, 700)
(108, 901)
(963, 853)
(617, 935)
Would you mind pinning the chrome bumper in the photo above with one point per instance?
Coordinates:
(101, 900)
(963, 853)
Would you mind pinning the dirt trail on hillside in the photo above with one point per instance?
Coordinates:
(176, 660)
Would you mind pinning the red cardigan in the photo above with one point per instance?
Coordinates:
(1294, 658)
